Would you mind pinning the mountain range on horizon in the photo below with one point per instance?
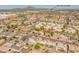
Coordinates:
(39, 6)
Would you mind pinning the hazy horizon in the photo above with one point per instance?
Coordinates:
(40, 6)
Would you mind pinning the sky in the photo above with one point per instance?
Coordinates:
(40, 6)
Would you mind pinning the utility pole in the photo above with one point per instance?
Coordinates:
(67, 48)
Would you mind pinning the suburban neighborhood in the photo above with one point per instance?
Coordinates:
(39, 30)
